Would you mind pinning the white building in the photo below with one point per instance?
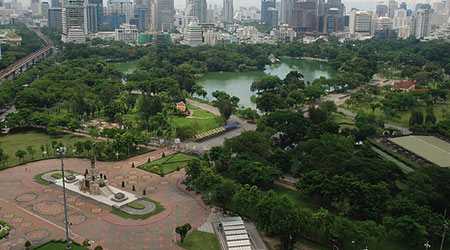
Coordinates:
(400, 18)
(360, 22)
(72, 16)
(420, 24)
(384, 23)
(75, 35)
(393, 6)
(127, 33)
(193, 35)
(121, 7)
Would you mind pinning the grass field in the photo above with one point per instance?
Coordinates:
(197, 240)
(58, 245)
(431, 148)
(4, 232)
(159, 208)
(10, 143)
(168, 164)
(126, 67)
(38, 178)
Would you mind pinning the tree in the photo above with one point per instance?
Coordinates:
(27, 244)
(31, 151)
(20, 154)
(87, 145)
(416, 117)
(224, 191)
(250, 142)
(329, 107)
(269, 102)
(225, 103)
(183, 230)
(268, 83)
(79, 147)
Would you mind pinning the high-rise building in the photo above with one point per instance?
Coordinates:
(55, 18)
(34, 4)
(272, 14)
(44, 9)
(93, 13)
(403, 6)
(393, 6)
(420, 24)
(121, 7)
(360, 22)
(382, 9)
(333, 4)
(56, 4)
(331, 22)
(384, 23)
(286, 11)
(265, 5)
(163, 15)
(447, 7)
(304, 17)
(141, 13)
(400, 18)
(228, 11)
(72, 16)
(193, 35)
(197, 8)
(127, 33)
(439, 6)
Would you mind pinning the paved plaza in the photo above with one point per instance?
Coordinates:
(35, 211)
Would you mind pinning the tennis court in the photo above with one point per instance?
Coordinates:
(430, 148)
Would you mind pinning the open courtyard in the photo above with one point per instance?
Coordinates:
(35, 211)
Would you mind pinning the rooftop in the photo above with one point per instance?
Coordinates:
(404, 85)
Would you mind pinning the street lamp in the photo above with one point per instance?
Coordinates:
(427, 245)
(62, 151)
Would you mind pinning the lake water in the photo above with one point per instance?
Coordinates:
(238, 83)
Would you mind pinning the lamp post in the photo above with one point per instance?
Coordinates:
(61, 151)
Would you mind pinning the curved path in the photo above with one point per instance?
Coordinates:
(35, 211)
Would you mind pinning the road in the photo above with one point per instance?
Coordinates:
(217, 140)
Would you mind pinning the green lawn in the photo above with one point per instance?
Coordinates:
(38, 178)
(441, 111)
(10, 143)
(202, 125)
(159, 208)
(200, 241)
(58, 245)
(169, 163)
(4, 232)
(126, 67)
(135, 205)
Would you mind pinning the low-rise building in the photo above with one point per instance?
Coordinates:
(127, 33)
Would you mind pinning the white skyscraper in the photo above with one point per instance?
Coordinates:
(228, 11)
(193, 35)
(400, 18)
(360, 22)
(72, 16)
(420, 24)
(121, 7)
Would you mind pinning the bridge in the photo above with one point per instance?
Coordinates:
(27, 62)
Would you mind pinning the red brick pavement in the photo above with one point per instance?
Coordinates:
(32, 216)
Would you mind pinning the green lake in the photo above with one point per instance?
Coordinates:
(238, 83)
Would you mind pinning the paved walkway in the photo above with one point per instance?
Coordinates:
(217, 140)
(35, 211)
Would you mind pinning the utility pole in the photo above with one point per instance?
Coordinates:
(61, 151)
(445, 223)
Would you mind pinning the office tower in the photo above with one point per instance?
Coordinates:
(400, 18)
(126, 33)
(403, 6)
(193, 34)
(384, 23)
(420, 24)
(55, 18)
(56, 4)
(197, 8)
(163, 15)
(334, 4)
(382, 9)
(141, 13)
(286, 11)
(393, 6)
(34, 4)
(304, 18)
(44, 9)
(228, 11)
(93, 12)
(265, 5)
(331, 22)
(72, 16)
(360, 22)
(272, 17)
(121, 7)
(108, 23)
